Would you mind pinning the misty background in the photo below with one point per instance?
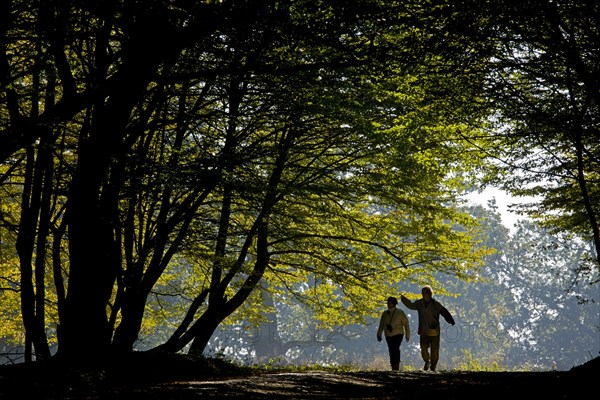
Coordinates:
(529, 311)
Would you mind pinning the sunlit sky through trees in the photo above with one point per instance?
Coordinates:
(503, 202)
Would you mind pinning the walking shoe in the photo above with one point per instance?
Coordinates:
(426, 367)
(432, 368)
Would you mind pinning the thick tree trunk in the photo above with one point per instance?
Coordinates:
(92, 221)
(85, 332)
(95, 253)
(208, 327)
(131, 323)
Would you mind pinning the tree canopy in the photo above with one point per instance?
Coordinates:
(199, 150)
(544, 86)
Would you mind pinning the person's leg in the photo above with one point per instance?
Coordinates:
(393, 343)
(435, 351)
(424, 343)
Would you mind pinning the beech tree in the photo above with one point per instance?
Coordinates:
(235, 139)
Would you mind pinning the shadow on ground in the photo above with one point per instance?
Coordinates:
(164, 377)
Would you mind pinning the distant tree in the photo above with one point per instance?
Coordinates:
(527, 310)
(530, 307)
(558, 311)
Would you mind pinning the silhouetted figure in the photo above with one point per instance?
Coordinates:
(429, 311)
(394, 323)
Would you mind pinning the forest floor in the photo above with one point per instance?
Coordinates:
(184, 378)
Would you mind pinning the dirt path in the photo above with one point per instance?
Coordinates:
(186, 379)
(357, 385)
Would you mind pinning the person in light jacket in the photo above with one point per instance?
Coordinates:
(394, 323)
(429, 311)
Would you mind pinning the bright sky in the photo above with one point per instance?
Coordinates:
(503, 199)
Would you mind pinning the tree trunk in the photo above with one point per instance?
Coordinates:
(268, 344)
(34, 226)
(95, 252)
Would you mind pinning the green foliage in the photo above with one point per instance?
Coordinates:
(177, 159)
(11, 323)
(546, 110)
(468, 362)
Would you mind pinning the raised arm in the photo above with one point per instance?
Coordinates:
(409, 304)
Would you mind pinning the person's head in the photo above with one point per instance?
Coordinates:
(426, 292)
(391, 302)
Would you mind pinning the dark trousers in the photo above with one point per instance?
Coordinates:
(393, 343)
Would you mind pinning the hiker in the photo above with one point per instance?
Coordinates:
(394, 323)
(429, 311)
